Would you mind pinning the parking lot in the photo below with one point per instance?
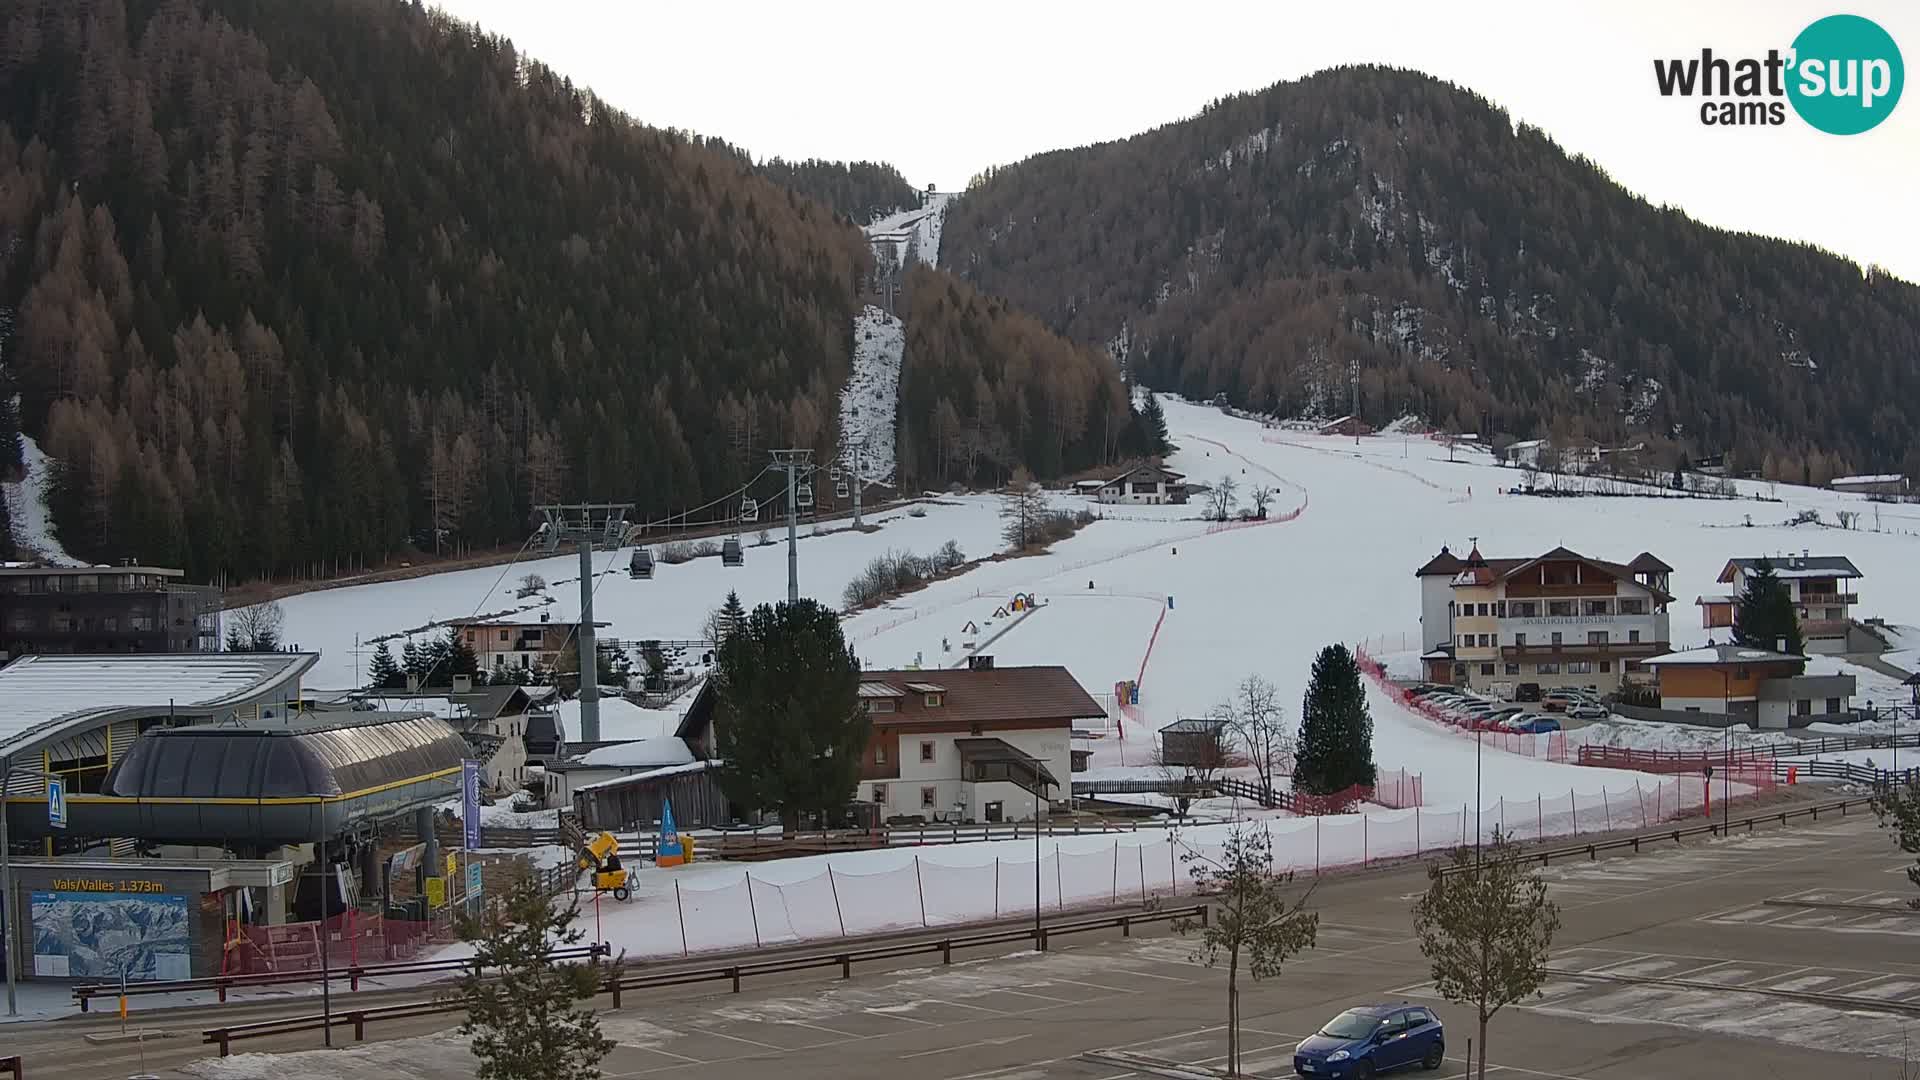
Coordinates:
(1660, 974)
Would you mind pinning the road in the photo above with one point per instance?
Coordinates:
(1744, 931)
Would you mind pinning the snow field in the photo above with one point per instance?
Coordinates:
(717, 906)
(670, 607)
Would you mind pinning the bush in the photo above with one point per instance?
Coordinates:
(703, 549)
(894, 573)
(675, 553)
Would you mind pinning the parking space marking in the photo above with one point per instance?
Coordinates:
(1155, 975)
(1091, 986)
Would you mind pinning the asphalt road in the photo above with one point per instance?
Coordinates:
(1702, 961)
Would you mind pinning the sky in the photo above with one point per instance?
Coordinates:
(945, 90)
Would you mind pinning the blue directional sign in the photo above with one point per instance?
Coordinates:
(56, 802)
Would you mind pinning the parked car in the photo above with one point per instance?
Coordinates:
(1535, 725)
(1527, 691)
(1587, 710)
(1373, 1039)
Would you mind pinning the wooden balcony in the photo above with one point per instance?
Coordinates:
(1814, 599)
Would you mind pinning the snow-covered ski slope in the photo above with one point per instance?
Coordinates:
(1253, 599)
(912, 235)
(1265, 599)
(871, 398)
(27, 507)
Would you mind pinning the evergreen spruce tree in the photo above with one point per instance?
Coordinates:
(461, 659)
(530, 1018)
(1154, 419)
(732, 614)
(383, 673)
(413, 661)
(789, 722)
(1336, 731)
(1764, 614)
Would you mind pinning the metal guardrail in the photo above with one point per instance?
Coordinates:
(358, 1019)
(1592, 850)
(352, 973)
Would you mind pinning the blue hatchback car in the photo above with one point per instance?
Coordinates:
(1372, 1039)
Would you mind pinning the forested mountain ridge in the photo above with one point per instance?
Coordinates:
(1475, 273)
(857, 190)
(303, 285)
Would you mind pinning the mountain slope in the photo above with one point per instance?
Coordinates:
(1473, 271)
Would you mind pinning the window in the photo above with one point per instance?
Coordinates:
(1513, 669)
(506, 635)
(1556, 637)
(1560, 607)
(1520, 640)
(1631, 665)
(1835, 613)
(1579, 667)
(1500, 609)
(926, 751)
(110, 623)
(1633, 637)
(1833, 704)
(1596, 607)
(1804, 707)
(1466, 641)
(1606, 666)
(1483, 610)
(1486, 641)
(929, 798)
(880, 753)
(934, 700)
(879, 793)
(877, 705)
(1596, 637)
(1486, 669)
(1546, 668)
(1526, 609)
(1417, 1017)
(1633, 605)
(471, 635)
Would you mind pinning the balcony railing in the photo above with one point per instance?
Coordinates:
(1624, 649)
(1814, 599)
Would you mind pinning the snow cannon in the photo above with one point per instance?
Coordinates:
(602, 856)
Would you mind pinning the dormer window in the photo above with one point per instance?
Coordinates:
(934, 700)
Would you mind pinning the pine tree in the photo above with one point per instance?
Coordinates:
(1336, 731)
(1153, 419)
(461, 659)
(523, 1009)
(732, 614)
(1764, 616)
(412, 661)
(788, 721)
(382, 672)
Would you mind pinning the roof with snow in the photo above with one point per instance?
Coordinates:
(650, 776)
(1648, 563)
(44, 698)
(1153, 472)
(655, 753)
(515, 620)
(1722, 656)
(1793, 566)
(1879, 478)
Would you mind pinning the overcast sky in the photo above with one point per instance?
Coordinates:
(944, 90)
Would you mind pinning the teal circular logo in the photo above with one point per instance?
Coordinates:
(1846, 75)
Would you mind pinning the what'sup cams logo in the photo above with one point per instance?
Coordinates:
(1843, 75)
